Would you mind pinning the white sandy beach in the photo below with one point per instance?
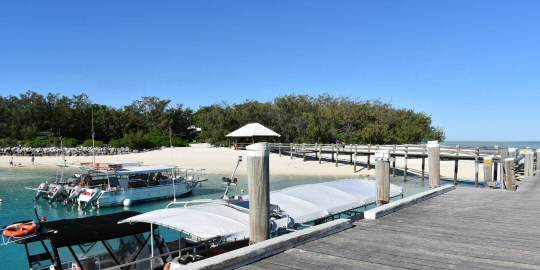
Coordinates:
(219, 160)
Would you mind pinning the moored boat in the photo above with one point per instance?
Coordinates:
(114, 184)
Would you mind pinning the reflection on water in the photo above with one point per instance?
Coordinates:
(18, 203)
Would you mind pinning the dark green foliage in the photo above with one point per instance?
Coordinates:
(96, 143)
(32, 119)
(324, 119)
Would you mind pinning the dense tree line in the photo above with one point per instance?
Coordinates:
(323, 119)
(32, 119)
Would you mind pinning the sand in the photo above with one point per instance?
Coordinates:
(219, 160)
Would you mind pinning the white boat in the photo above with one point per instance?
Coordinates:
(227, 221)
(134, 184)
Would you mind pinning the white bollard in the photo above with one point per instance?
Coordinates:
(488, 171)
(434, 163)
(258, 168)
(382, 176)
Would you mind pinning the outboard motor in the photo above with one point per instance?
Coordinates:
(96, 193)
(75, 192)
(42, 190)
(56, 193)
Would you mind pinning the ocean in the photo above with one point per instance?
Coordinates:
(504, 144)
(18, 204)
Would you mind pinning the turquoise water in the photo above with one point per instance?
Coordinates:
(18, 202)
(515, 144)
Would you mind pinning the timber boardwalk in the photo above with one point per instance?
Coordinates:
(467, 228)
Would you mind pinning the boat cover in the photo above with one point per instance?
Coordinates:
(79, 231)
(204, 221)
(305, 203)
(144, 169)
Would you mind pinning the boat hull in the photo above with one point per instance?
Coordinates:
(137, 195)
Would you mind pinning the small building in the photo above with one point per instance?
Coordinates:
(252, 133)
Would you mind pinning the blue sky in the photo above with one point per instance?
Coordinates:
(472, 65)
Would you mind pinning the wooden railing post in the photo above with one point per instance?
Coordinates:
(394, 162)
(496, 164)
(476, 165)
(369, 155)
(337, 155)
(423, 162)
(382, 175)
(320, 154)
(291, 150)
(434, 160)
(303, 152)
(456, 164)
(356, 157)
(528, 160)
(537, 160)
(509, 173)
(405, 165)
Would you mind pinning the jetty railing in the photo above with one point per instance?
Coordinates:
(332, 152)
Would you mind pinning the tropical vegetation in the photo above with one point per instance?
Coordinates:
(36, 120)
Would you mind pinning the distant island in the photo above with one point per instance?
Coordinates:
(35, 120)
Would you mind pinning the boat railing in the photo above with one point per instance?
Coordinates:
(200, 201)
(171, 254)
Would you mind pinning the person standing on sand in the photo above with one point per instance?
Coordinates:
(11, 162)
(33, 159)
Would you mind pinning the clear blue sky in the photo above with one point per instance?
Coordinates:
(473, 65)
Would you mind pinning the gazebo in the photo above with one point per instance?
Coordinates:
(252, 131)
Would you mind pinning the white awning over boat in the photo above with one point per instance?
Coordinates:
(305, 203)
(144, 169)
(253, 130)
(204, 221)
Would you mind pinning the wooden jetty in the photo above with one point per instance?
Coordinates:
(335, 153)
(466, 228)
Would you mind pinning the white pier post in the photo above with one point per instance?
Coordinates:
(529, 163)
(382, 175)
(434, 163)
(488, 171)
(537, 159)
(258, 167)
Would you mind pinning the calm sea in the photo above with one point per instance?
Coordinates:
(18, 202)
(515, 144)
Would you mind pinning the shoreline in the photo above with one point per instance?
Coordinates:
(221, 160)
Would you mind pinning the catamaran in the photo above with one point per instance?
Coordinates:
(123, 183)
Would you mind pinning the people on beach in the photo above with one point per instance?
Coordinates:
(11, 162)
(68, 151)
(33, 159)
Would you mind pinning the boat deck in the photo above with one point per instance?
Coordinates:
(468, 228)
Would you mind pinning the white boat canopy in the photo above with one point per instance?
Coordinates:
(203, 221)
(253, 130)
(305, 203)
(144, 169)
